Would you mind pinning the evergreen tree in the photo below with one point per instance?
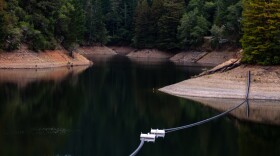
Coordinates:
(96, 31)
(156, 13)
(147, 23)
(112, 19)
(11, 33)
(119, 15)
(261, 26)
(221, 7)
(44, 22)
(233, 22)
(76, 27)
(228, 16)
(168, 23)
(142, 37)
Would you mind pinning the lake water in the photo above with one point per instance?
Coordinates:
(102, 110)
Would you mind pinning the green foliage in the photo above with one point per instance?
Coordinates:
(119, 19)
(10, 33)
(193, 28)
(217, 35)
(162, 24)
(261, 28)
(76, 27)
(233, 19)
(155, 23)
(143, 23)
(167, 24)
(96, 31)
(12, 41)
(41, 24)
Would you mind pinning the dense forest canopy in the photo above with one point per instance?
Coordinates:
(162, 24)
(261, 26)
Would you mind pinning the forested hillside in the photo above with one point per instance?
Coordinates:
(162, 24)
(261, 26)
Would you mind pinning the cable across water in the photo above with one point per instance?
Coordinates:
(138, 148)
(217, 116)
(203, 121)
(206, 120)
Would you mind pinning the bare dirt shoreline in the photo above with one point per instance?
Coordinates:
(265, 84)
(191, 58)
(24, 58)
(27, 59)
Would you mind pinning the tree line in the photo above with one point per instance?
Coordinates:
(162, 24)
(46, 24)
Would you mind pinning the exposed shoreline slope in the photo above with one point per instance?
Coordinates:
(27, 59)
(95, 50)
(148, 54)
(265, 84)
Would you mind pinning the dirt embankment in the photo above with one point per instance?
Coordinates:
(149, 54)
(122, 50)
(210, 58)
(89, 51)
(265, 84)
(27, 59)
(204, 58)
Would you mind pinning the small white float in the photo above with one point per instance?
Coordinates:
(158, 133)
(148, 137)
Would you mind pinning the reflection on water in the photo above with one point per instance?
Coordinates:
(103, 110)
(261, 111)
(23, 77)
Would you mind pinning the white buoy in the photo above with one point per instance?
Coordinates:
(148, 137)
(158, 133)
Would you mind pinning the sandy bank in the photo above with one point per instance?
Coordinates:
(122, 50)
(95, 51)
(153, 55)
(26, 59)
(231, 84)
(204, 58)
(149, 54)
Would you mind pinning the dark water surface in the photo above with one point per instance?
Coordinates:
(103, 110)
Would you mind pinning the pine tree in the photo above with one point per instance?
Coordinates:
(168, 23)
(232, 23)
(11, 33)
(261, 26)
(96, 28)
(119, 18)
(44, 23)
(76, 27)
(156, 13)
(142, 24)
